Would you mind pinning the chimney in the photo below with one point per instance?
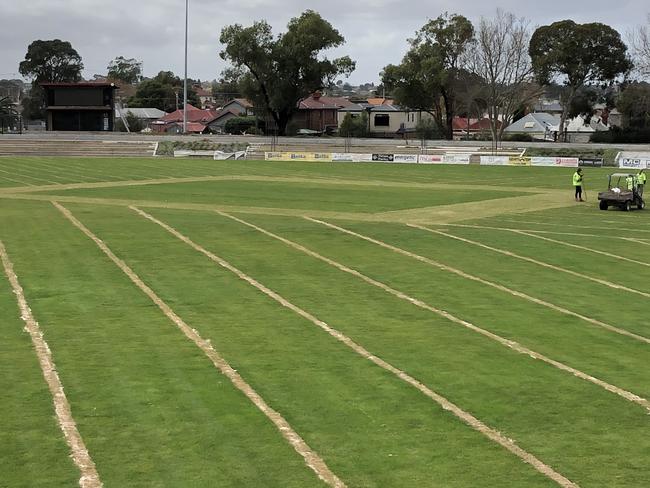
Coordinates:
(316, 95)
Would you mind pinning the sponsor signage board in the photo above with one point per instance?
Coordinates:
(495, 160)
(405, 158)
(388, 158)
(444, 159)
(554, 161)
(640, 160)
(592, 162)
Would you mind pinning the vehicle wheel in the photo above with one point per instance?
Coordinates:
(641, 205)
(603, 205)
(628, 206)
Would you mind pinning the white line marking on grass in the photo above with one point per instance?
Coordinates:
(78, 451)
(609, 284)
(438, 265)
(466, 417)
(583, 248)
(539, 301)
(312, 459)
(551, 232)
(13, 180)
(502, 340)
(561, 224)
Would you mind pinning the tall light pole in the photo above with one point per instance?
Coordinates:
(185, 82)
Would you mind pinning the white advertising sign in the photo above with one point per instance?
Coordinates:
(495, 160)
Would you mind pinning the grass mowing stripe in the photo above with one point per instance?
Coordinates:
(583, 248)
(506, 342)
(312, 459)
(550, 232)
(609, 284)
(49, 173)
(519, 294)
(12, 173)
(464, 416)
(555, 224)
(79, 452)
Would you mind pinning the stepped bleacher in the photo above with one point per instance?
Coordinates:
(16, 146)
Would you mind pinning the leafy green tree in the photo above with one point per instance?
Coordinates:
(125, 70)
(634, 105)
(280, 71)
(51, 61)
(354, 126)
(48, 61)
(428, 77)
(577, 55)
(163, 92)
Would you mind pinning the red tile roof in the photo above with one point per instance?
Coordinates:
(461, 123)
(324, 103)
(193, 115)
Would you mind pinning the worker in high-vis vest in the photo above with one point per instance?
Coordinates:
(629, 181)
(577, 183)
(640, 181)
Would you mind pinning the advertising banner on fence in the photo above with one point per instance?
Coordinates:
(592, 162)
(444, 159)
(386, 158)
(405, 158)
(298, 156)
(519, 161)
(351, 157)
(634, 160)
(495, 160)
(553, 161)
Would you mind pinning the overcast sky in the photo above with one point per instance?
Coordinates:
(153, 30)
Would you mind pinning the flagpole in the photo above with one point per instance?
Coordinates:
(185, 81)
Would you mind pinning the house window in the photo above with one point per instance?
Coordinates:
(529, 125)
(382, 120)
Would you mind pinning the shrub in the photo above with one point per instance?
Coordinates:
(241, 125)
(618, 135)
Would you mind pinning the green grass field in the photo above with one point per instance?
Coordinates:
(385, 325)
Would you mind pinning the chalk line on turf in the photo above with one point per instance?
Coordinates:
(582, 248)
(312, 459)
(627, 395)
(78, 451)
(466, 417)
(609, 284)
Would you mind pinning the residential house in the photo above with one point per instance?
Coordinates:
(197, 119)
(319, 113)
(384, 118)
(218, 124)
(146, 116)
(205, 96)
(240, 106)
(469, 127)
(543, 126)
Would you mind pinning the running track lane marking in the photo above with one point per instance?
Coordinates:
(78, 451)
(627, 395)
(610, 284)
(575, 246)
(438, 265)
(312, 459)
(464, 416)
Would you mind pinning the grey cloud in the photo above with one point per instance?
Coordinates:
(152, 30)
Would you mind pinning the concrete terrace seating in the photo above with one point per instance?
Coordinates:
(15, 146)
